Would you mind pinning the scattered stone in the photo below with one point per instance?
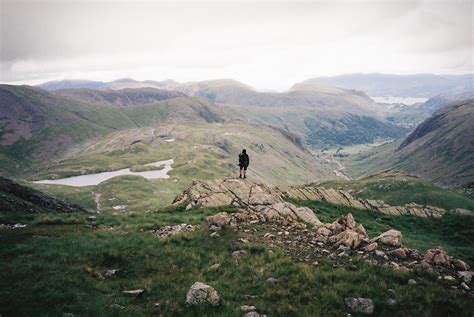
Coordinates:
(238, 253)
(379, 253)
(91, 218)
(360, 305)
(272, 281)
(315, 263)
(135, 292)
(111, 272)
(215, 234)
(466, 276)
(391, 237)
(411, 282)
(391, 302)
(449, 278)
(117, 306)
(391, 293)
(323, 231)
(465, 286)
(215, 267)
(460, 265)
(219, 220)
(168, 231)
(370, 247)
(400, 253)
(254, 314)
(247, 308)
(348, 238)
(201, 293)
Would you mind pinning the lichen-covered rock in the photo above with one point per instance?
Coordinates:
(220, 219)
(370, 247)
(360, 305)
(244, 194)
(346, 222)
(460, 265)
(438, 256)
(349, 238)
(391, 237)
(400, 253)
(201, 293)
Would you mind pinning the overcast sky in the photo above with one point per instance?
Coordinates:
(264, 44)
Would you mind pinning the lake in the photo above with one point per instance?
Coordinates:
(97, 178)
(399, 100)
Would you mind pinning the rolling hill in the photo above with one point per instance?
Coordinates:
(440, 149)
(38, 126)
(321, 115)
(123, 98)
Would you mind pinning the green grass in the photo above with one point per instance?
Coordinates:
(398, 189)
(56, 265)
(453, 232)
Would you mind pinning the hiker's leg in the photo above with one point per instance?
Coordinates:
(241, 168)
(245, 172)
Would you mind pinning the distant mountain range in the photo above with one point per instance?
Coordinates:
(114, 85)
(422, 85)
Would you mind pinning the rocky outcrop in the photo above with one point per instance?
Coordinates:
(201, 293)
(340, 197)
(244, 194)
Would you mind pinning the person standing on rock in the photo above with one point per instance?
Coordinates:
(244, 162)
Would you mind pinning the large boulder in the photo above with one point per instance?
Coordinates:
(348, 237)
(201, 293)
(391, 237)
(219, 220)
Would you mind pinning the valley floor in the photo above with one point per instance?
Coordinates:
(58, 265)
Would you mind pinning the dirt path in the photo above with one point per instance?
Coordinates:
(97, 201)
(339, 172)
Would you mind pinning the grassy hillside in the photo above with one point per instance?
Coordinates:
(440, 149)
(18, 199)
(55, 279)
(123, 98)
(200, 151)
(38, 126)
(397, 188)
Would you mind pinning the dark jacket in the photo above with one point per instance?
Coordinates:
(244, 160)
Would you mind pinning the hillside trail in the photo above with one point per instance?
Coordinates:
(339, 170)
(97, 201)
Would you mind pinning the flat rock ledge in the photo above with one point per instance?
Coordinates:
(344, 198)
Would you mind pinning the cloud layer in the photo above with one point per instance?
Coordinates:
(268, 45)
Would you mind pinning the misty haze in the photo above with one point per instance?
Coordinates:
(236, 158)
